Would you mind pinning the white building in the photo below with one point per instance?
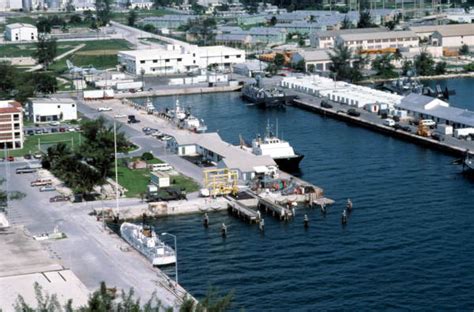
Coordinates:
(51, 109)
(21, 32)
(140, 4)
(179, 59)
(453, 37)
(341, 92)
(11, 5)
(379, 40)
(11, 125)
(327, 39)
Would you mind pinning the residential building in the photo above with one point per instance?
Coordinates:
(453, 37)
(21, 32)
(51, 109)
(250, 68)
(425, 107)
(11, 125)
(234, 40)
(327, 39)
(300, 27)
(379, 40)
(251, 19)
(179, 59)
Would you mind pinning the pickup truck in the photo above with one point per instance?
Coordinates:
(25, 170)
(41, 182)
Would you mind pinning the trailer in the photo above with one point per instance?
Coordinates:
(133, 85)
(463, 132)
(98, 94)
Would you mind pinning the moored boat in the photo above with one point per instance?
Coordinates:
(145, 240)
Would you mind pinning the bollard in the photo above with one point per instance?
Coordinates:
(349, 204)
(224, 230)
(206, 221)
(262, 225)
(306, 221)
(344, 217)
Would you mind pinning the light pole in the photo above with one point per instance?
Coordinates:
(116, 171)
(175, 253)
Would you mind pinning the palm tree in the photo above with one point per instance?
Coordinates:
(340, 59)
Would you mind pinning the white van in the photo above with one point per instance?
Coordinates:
(161, 167)
(389, 122)
(428, 122)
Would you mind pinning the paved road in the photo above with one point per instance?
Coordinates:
(93, 254)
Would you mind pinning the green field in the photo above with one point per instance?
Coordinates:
(121, 17)
(136, 180)
(30, 145)
(101, 54)
(17, 50)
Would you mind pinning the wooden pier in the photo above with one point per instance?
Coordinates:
(242, 211)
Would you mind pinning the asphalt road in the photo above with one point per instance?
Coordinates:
(94, 254)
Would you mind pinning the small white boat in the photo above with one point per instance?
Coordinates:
(145, 240)
(150, 108)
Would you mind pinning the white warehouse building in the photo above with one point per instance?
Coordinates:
(379, 40)
(21, 32)
(179, 59)
(51, 109)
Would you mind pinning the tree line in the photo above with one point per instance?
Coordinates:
(106, 299)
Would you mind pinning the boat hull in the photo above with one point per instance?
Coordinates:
(289, 164)
(269, 102)
(162, 261)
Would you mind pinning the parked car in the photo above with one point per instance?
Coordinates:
(104, 109)
(325, 104)
(132, 119)
(25, 170)
(59, 198)
(47, 188)
(428, 123)
(30, 132)
(54, 130)
(11, 158)
(120, 116)
(406, 128)
(62, 129)
(41, 182)
(161, 167)
(37, 155)
(353, 112)
(38, 131)
(389, 122)
(437, 136)
(28, 156)
(71, 129)
(54, 123)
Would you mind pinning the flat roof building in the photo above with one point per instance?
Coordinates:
(379, 40)
(425, 107)
(21, 32)
(327, 39)
(453, 37)
(51, 109)
(179, 59)
(11, 125)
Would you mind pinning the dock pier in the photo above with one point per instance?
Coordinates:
(239, 209)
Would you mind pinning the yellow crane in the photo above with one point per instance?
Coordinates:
(221, 181)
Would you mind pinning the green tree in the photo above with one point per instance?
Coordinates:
(147, 156)
(213, 302)
(382, 64)
(273, 21)
(132, 17)
(311, 68)
(45, 82)
(300, 66)
(424, 64)
(346, 23)
(279, 60)
(75, 19)
(464, 50)
(8, 80)
(341, 57)
(407, 67)
(365, 20)
(272, 69)
(46, 50)
(44, 25)
(103, 10)
(440, 68)
(149, 28)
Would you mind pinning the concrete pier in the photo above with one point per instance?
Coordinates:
(179, 91)
(407, 136)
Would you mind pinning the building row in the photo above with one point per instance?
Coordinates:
(18, 32)
(177, 59)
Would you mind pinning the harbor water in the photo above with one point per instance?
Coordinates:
(407, 245)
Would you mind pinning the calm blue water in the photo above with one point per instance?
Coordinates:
(408, 245)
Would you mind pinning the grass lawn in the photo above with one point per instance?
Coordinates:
(17, 50)
(31, 142)
(121, 17)
(136, 180)
(101, 54)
